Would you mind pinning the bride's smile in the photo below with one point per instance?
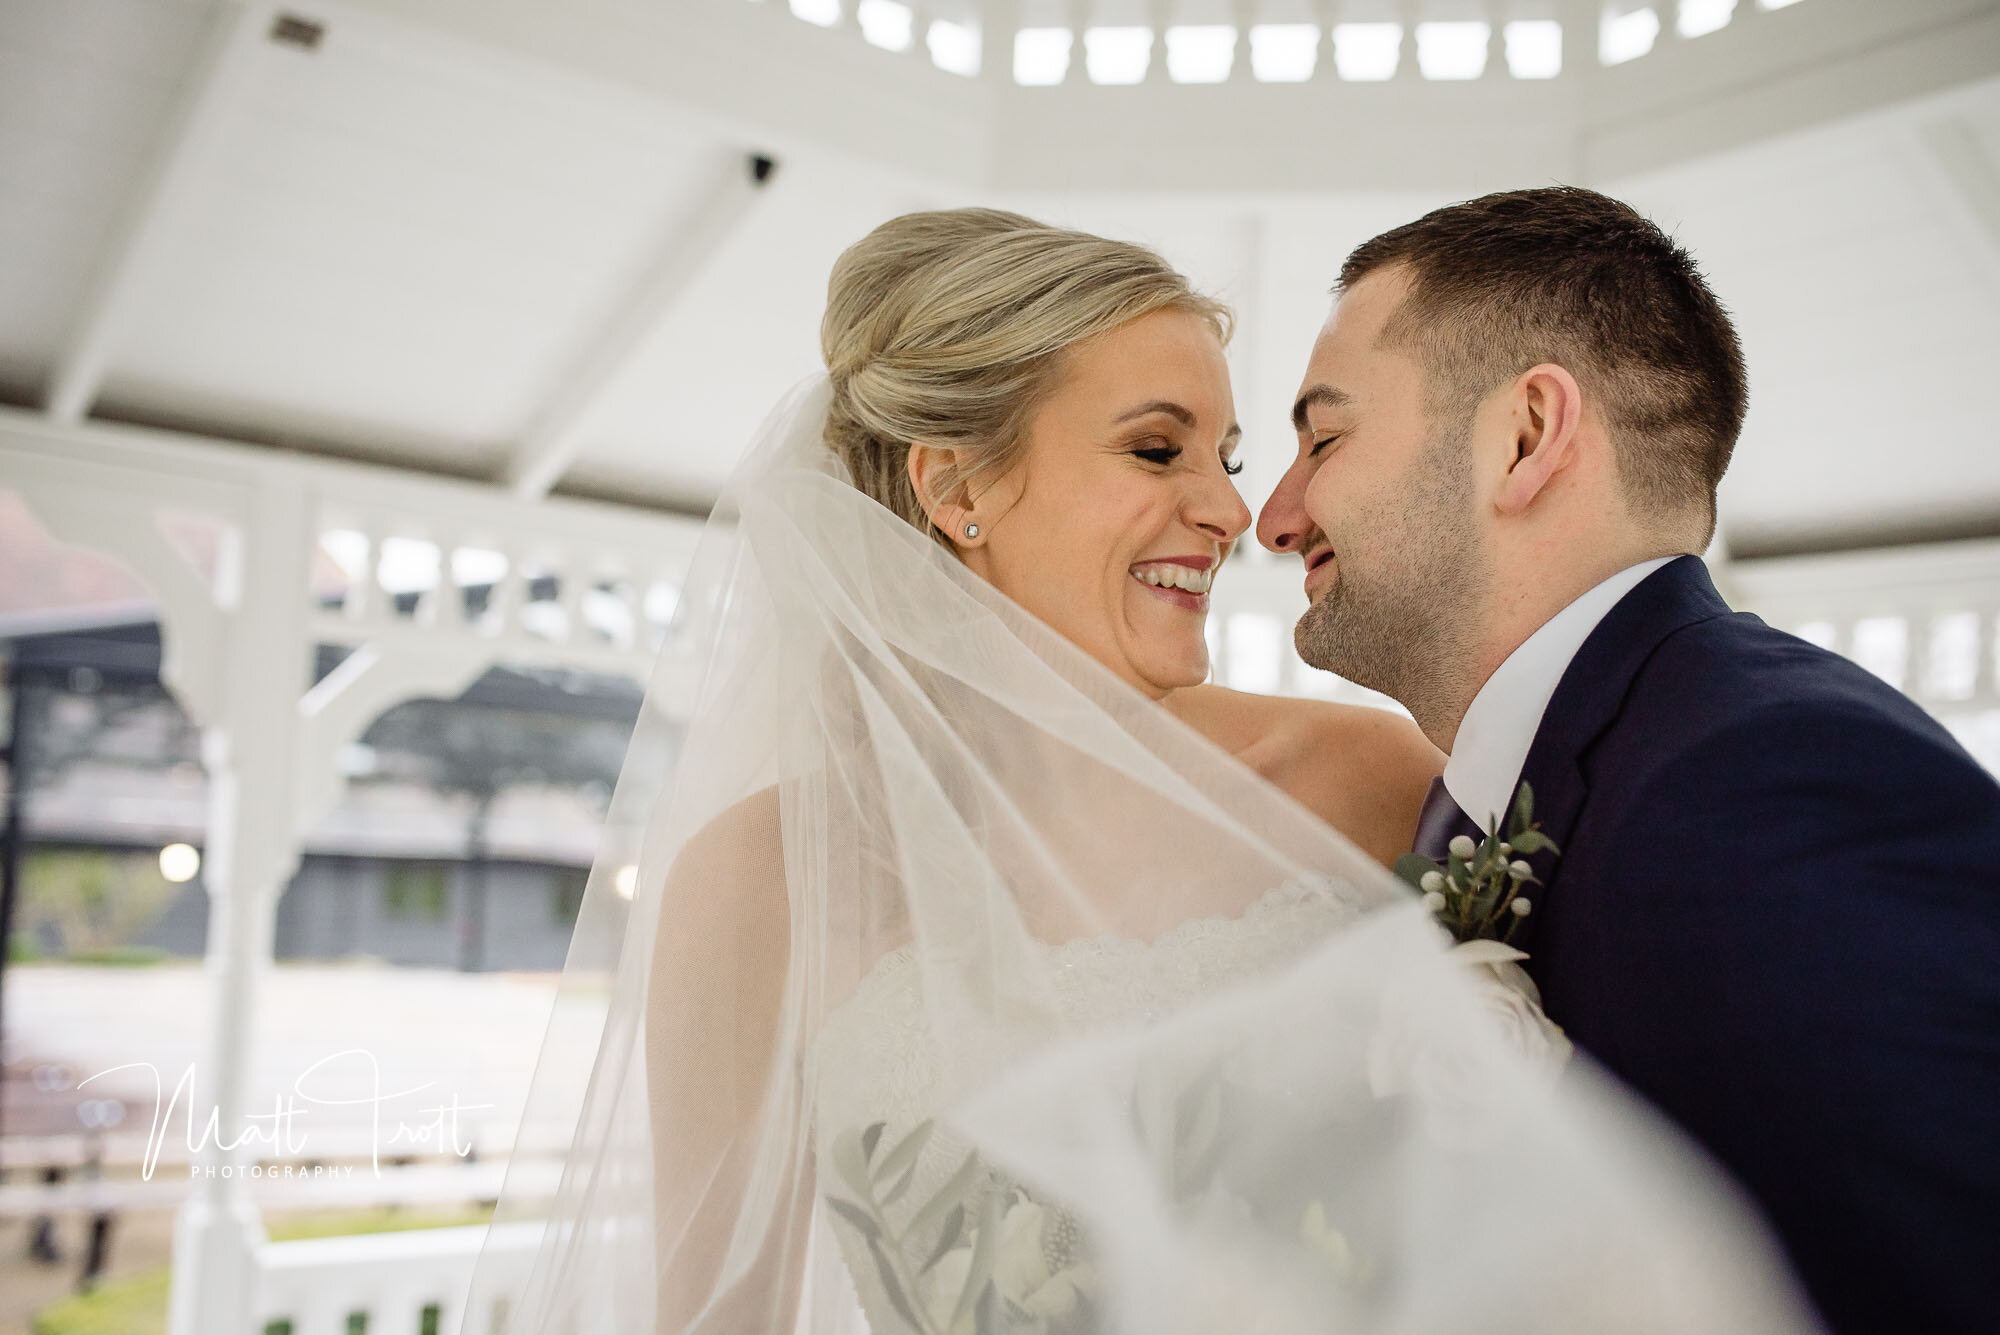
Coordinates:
(1121, 511)
(1182, 580)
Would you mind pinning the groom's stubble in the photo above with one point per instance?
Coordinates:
(1402, 613)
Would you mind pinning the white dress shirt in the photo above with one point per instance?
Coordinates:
(1499, 727)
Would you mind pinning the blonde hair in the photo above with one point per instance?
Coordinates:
(948, 328)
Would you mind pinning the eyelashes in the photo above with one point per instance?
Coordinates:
(1166, 454)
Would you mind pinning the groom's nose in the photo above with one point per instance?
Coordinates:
(1283, 525)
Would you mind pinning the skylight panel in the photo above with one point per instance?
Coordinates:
(1041, 56)
(885, 23)
(1283, 52)
(954, 47)
(1200, 53)
(1117, 55)
(1534, 48)
(1452, 50)
(1367, 52)
(1627, 36)
(1698, 18)
(825, 13)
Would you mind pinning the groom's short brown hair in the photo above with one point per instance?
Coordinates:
(1567, 275)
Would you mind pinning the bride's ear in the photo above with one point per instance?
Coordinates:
(954, 513)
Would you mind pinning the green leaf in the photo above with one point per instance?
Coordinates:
(892, 1287)
(984, 1317)
(1484, 905)
(1530, 841)
(985, 1251)
(870, 1139)
(852, 1163)
(954, 1224)
(856, 1216)
(950, 1194)
(1524, 806)
(1412, 867)
(902, 1185)
(906, 1152)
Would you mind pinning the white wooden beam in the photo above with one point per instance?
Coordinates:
(743, 71)
(1764, 75)
(209, 476)
(1779, 73)
(236, 31)
(552, 443)
(1968, 185)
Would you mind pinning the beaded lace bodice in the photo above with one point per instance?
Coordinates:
(878, 1060)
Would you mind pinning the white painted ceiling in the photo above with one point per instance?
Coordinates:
(412, 243)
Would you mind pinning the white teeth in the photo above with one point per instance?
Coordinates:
(1171, 576)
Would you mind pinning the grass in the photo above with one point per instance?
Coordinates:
(323, 1224)
(122, 957)
(24, 950)
(136, 1304)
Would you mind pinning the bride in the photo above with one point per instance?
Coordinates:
(988, 970)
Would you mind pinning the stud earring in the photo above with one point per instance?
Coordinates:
(972, 530)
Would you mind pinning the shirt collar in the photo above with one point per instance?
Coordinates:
(1500, 725)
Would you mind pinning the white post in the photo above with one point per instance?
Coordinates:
(253, 847)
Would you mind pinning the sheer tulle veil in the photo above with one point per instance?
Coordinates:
(863, 775)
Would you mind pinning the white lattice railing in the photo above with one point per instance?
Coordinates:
(408, 1283)
(532, 591)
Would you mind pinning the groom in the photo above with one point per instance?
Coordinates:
(1776, 913)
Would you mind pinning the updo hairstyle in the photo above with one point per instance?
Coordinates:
(949, 327)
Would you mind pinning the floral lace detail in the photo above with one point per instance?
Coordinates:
(876, 1060)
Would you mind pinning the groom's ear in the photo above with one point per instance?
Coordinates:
(1545, 415)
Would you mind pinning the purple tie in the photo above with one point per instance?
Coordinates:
(1441, 819)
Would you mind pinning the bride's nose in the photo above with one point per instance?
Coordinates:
(1218, 510)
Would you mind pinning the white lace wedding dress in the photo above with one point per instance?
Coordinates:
(878, 1065)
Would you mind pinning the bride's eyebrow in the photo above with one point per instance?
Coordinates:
(1173, 410)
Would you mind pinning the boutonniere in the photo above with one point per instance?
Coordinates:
(1480, 891)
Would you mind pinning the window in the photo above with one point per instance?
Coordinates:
(566, 896)
(414, 890)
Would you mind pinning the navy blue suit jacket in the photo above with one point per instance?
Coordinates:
(1777, 916)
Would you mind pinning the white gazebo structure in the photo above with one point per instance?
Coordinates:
(493, 292)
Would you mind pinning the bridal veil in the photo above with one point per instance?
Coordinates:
(856, 759)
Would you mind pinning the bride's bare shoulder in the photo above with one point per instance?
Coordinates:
(1364, 770)
(735, 864)
(750, 824)
(1240, 720)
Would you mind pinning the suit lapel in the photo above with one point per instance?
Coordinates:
(1593, 690)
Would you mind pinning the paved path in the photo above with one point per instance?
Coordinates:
(416, 1038)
